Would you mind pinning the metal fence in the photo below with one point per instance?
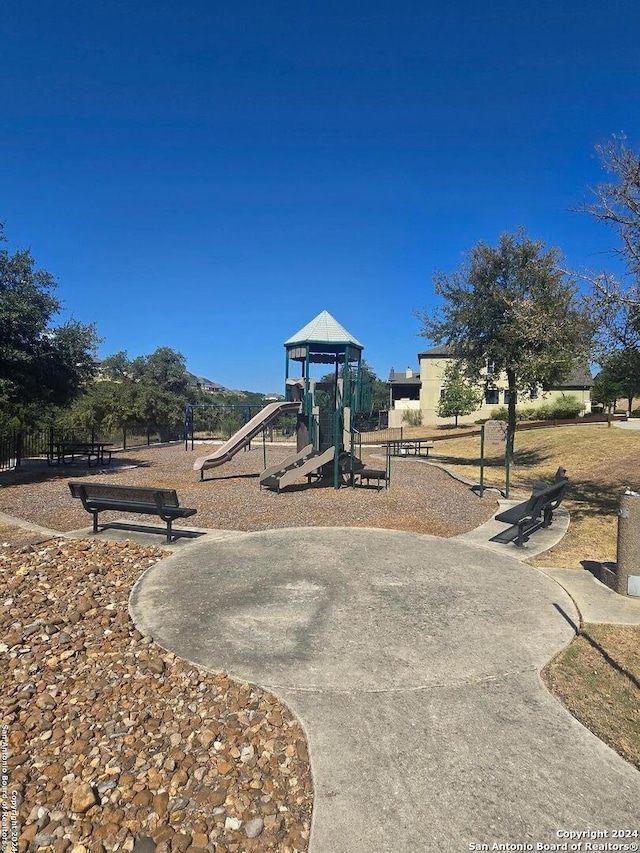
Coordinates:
(16, 445)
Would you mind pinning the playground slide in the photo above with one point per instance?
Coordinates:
(295, 466)
(244, 435)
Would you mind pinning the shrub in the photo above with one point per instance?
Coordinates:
(635, 413)
(566, 407)
(500, 414)
(413, 417)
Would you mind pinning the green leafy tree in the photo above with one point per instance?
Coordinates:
(460, 396)
(512, 305)
(606, 390)
(41, 365)
(164, 368)
(621, 370)
(151, 390)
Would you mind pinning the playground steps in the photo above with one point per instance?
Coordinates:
(293, 467)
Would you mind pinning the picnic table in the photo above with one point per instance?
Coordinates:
(410, 447)
(67, 452)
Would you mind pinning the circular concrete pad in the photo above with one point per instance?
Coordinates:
(413, 664)
(344, 609)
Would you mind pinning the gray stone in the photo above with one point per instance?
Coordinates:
(253, 827)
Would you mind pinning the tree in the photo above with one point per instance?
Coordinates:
(40, 364)
(513, 306)
(151, 389)
(460, 396)
(621, 370)
(165, 369)
(615, 302)
(617, 205)
(606, 390)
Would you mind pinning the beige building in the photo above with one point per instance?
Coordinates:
(421, 390)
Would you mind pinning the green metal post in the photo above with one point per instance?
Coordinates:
(264, 448)
(482, 460)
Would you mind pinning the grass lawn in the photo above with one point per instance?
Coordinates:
(597, 678)
(600, 461)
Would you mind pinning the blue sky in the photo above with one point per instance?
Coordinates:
(211, 175)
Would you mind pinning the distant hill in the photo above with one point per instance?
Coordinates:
(205, 384)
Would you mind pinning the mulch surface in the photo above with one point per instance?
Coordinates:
(421, 498)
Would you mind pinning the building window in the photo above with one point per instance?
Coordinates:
(491, 367)
(491, 397)
(507, 397)
(533, 395)
(443, 391)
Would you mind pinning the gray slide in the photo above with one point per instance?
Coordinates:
(295, 466)
(244, 435)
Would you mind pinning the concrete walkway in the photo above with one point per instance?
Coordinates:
(412, 662)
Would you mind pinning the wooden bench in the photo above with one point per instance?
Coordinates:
(98, 497)
(531, 515)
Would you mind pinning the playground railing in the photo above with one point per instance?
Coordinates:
(381, 436)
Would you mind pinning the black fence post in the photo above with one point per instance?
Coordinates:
(124, 438)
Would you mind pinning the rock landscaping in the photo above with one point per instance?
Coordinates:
(113, 744)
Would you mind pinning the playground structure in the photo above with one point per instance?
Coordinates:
(325, 438)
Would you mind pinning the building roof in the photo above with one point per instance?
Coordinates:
(580, 377)
(401, 378)
(323, 329)
(441, 349)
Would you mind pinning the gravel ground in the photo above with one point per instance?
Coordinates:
(422, 499)
(110, 739)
